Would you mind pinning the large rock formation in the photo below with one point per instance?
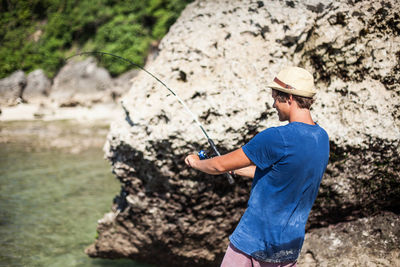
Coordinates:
(218, 57)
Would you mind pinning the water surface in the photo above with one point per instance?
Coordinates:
(50, 201)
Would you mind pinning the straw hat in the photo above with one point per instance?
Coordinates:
(295, 81)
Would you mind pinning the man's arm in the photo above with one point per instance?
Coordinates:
(229, 162)
(246, 171)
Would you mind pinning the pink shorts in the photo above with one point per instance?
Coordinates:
(235, 258)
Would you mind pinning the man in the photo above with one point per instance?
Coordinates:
(287, 164)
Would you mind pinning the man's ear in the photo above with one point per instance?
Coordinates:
(290, 100)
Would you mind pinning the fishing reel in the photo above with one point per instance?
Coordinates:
(202, 155)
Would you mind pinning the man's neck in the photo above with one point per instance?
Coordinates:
(301, 115)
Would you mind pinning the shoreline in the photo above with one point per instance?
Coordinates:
(104, 112)
(72, 129)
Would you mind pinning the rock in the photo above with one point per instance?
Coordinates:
(122, 84)
(218, 57)
(12, 87)
(308, 260)
(81, 83)
(372, 241)
(37, 87)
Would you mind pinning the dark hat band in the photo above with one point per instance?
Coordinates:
(284, 85)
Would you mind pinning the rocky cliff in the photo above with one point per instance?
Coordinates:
(218, 57)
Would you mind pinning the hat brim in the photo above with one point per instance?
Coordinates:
(303, 93)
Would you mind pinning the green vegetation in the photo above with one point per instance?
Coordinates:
(40, 33)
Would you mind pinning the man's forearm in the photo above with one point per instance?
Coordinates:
(210, 166)
(221, 164)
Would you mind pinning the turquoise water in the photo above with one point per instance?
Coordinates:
(50, 201)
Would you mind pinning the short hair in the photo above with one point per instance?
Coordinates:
(302, 102)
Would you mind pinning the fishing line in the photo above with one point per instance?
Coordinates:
(209, 140)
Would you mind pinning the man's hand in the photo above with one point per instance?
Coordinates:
(189, 160)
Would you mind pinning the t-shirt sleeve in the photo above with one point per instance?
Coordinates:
(266, 148)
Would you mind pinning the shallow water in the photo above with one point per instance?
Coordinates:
(50, 201)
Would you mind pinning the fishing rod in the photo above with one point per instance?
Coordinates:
(201, 154)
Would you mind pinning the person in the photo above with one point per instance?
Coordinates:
(287, 163)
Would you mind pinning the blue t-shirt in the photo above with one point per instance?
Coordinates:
(290, 162)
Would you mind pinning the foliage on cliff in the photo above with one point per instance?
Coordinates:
(39, 33)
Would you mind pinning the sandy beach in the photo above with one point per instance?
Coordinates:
(100, 112)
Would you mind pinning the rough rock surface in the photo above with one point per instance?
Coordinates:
(37, 87)
(12, 87)
(218, 58)
(368, 241)
(81, 83)
(122, 84)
